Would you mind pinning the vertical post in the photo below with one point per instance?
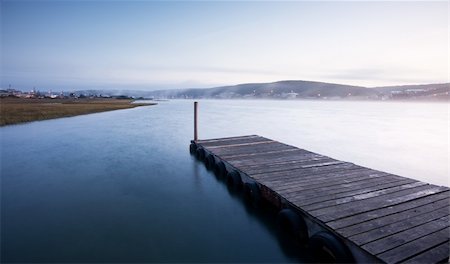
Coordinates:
(195, 121)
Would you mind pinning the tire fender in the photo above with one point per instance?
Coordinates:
(326, 247)
(293, 225)
(200, 153)
(210, 161)
(253, 193)
(234, 180)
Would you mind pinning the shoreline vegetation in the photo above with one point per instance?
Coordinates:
(21, 110)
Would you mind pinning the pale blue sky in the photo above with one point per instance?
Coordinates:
(157, 45)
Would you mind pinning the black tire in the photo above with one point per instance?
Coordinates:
(234, 180)
(193, 148)
(253, 193)
(327, 248)
(200, 153)
(220, 170)
(210, 161)
(292, 224)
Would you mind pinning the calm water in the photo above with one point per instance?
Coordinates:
(121, 186)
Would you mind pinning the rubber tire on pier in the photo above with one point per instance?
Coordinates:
(210, 161)
(253, 193)
(293, 225)
(220, 170)
(327, 248)
(200, 153)
(193, 148)
(234, 180)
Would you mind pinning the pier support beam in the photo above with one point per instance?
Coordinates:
(195, 121)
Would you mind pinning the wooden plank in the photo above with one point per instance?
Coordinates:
(415, 247)
(269, 148)
(310, 182)
(387, 211)
(267, 156)
(365, 181)
(385, 231)
(284, 176)
(299, 164)
(232, 142)
(322, 194)
(291, 181)
(235, 145)
(438, 254)
(251, 149)
(270, 158)
(392, 218)
(361, 197)
(203, 141)
(313, 184)
(352, 208)
(390, 237)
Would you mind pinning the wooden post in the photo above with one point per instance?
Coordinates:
(195, 121)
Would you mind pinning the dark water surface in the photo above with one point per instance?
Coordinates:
(121, 186)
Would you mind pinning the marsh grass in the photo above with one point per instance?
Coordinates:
(18, 110)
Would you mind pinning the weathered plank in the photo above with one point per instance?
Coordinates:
(438, 254)
(323, 194)
(251, 149)
(286, 166)
(378, 222)
(363, 196)
(352, 208)
(346, 175)
(354, 182)
(387, 211)
(232, 142)
(285, 176)
(311, 184)
(420, 245)
(204, 142)
(373, 238)
(242, 150)
(391, 237)
(270, 157)
(248, 144)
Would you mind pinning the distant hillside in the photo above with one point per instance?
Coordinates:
(295, 90)
(281, 89)
(309, 90)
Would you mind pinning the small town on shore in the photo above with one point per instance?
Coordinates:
(35, 94)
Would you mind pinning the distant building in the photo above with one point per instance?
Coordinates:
(291, 95)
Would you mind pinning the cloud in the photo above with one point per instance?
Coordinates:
(379, 76)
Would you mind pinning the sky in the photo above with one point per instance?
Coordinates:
(148, 45)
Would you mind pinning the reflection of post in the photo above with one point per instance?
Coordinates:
(195, 121)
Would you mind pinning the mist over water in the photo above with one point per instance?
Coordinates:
(121, 186)
(406, 138)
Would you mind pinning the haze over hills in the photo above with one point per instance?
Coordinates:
(287, 90)
(299, 90)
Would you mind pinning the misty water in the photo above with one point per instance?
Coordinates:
(121, 186)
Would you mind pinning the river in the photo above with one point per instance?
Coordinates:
(121, 186)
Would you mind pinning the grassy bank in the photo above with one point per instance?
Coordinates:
(17, 110)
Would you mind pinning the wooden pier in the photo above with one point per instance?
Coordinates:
(348, 212)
